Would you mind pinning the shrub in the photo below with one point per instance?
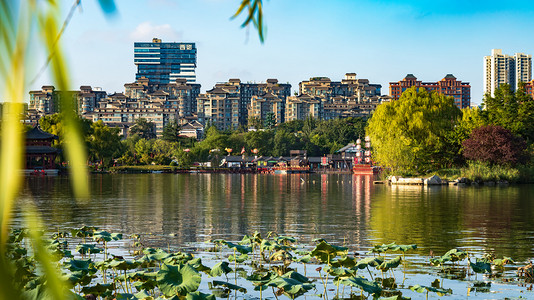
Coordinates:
(495, 145)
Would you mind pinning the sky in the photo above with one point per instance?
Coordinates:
(378, 40)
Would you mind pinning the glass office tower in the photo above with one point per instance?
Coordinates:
(163, 63)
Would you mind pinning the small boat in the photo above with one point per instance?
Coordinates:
(365, 169)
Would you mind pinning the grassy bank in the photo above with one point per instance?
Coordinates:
(481, 172)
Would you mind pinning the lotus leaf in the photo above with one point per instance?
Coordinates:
(405, 248)
(420, 289)
(80, 277)
(197, 264)
(502, 262)
(480, 266)
(396, 297)
(199, 296)
(369, 261)
(88, 249)
(229, 286)
(85, 265)
(260, 279)
(290, 286)
(383, 248)
(220, 268)
(296, 276)
(124, 296)
(239, 248)
(304, 259)
(285, 240)
(123, 264)
(339, 272)
(99, 289)
(145, 285)
(325, 252)
(281, 255)
(177, 280)
(142, 295)
(246, 240)
(241, 258)
(347, 262)
(364, 284)
(390, 264)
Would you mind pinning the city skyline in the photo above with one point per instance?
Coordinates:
(381, 41)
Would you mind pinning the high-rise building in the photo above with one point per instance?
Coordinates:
(502, 68)
(448, 86)
(163, 63)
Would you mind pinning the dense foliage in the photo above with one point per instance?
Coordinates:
(267, 266)
(412, 134)
(106, 148)
(495, 145)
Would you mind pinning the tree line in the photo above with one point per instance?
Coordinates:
(424, 131)
(107, 147)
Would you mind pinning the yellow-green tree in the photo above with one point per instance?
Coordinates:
(412, 134)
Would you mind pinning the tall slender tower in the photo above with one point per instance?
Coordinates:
(163, 63)
(501, 68)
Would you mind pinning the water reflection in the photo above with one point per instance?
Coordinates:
(179, 209)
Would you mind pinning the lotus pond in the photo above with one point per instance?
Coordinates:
(315, 236)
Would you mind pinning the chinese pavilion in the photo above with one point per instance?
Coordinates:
(40, 155)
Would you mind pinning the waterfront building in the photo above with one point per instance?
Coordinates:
(501, 68)
(448, 86)
(303, 106)
(267, 106)
(163, 63)
(193, 130)
(40, 155)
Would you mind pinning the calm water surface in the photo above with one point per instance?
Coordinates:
(178, 209)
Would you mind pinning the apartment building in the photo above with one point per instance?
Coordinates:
(219, 107)
(303, 106)
(349, 86)
(268, 104)
(501, 68)
(448, 86)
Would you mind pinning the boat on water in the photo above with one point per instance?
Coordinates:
(365, 169)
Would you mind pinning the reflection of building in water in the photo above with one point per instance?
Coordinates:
(361, 195)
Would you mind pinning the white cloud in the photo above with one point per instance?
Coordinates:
(146, 31)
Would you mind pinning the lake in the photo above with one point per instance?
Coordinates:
(184, 210)
(198, 207)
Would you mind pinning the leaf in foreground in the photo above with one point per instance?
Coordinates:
(177, 280)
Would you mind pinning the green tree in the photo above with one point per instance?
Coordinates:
(410, 134)
(270, 121)
(143, 151)
(513, 111)
(283, 142)
(261, 140)
(171, 132)
(144, 128)
(104, 143)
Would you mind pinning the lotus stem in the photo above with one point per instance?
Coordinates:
(367, 267)
(274, 293)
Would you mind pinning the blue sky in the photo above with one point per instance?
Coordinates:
(379, 40)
